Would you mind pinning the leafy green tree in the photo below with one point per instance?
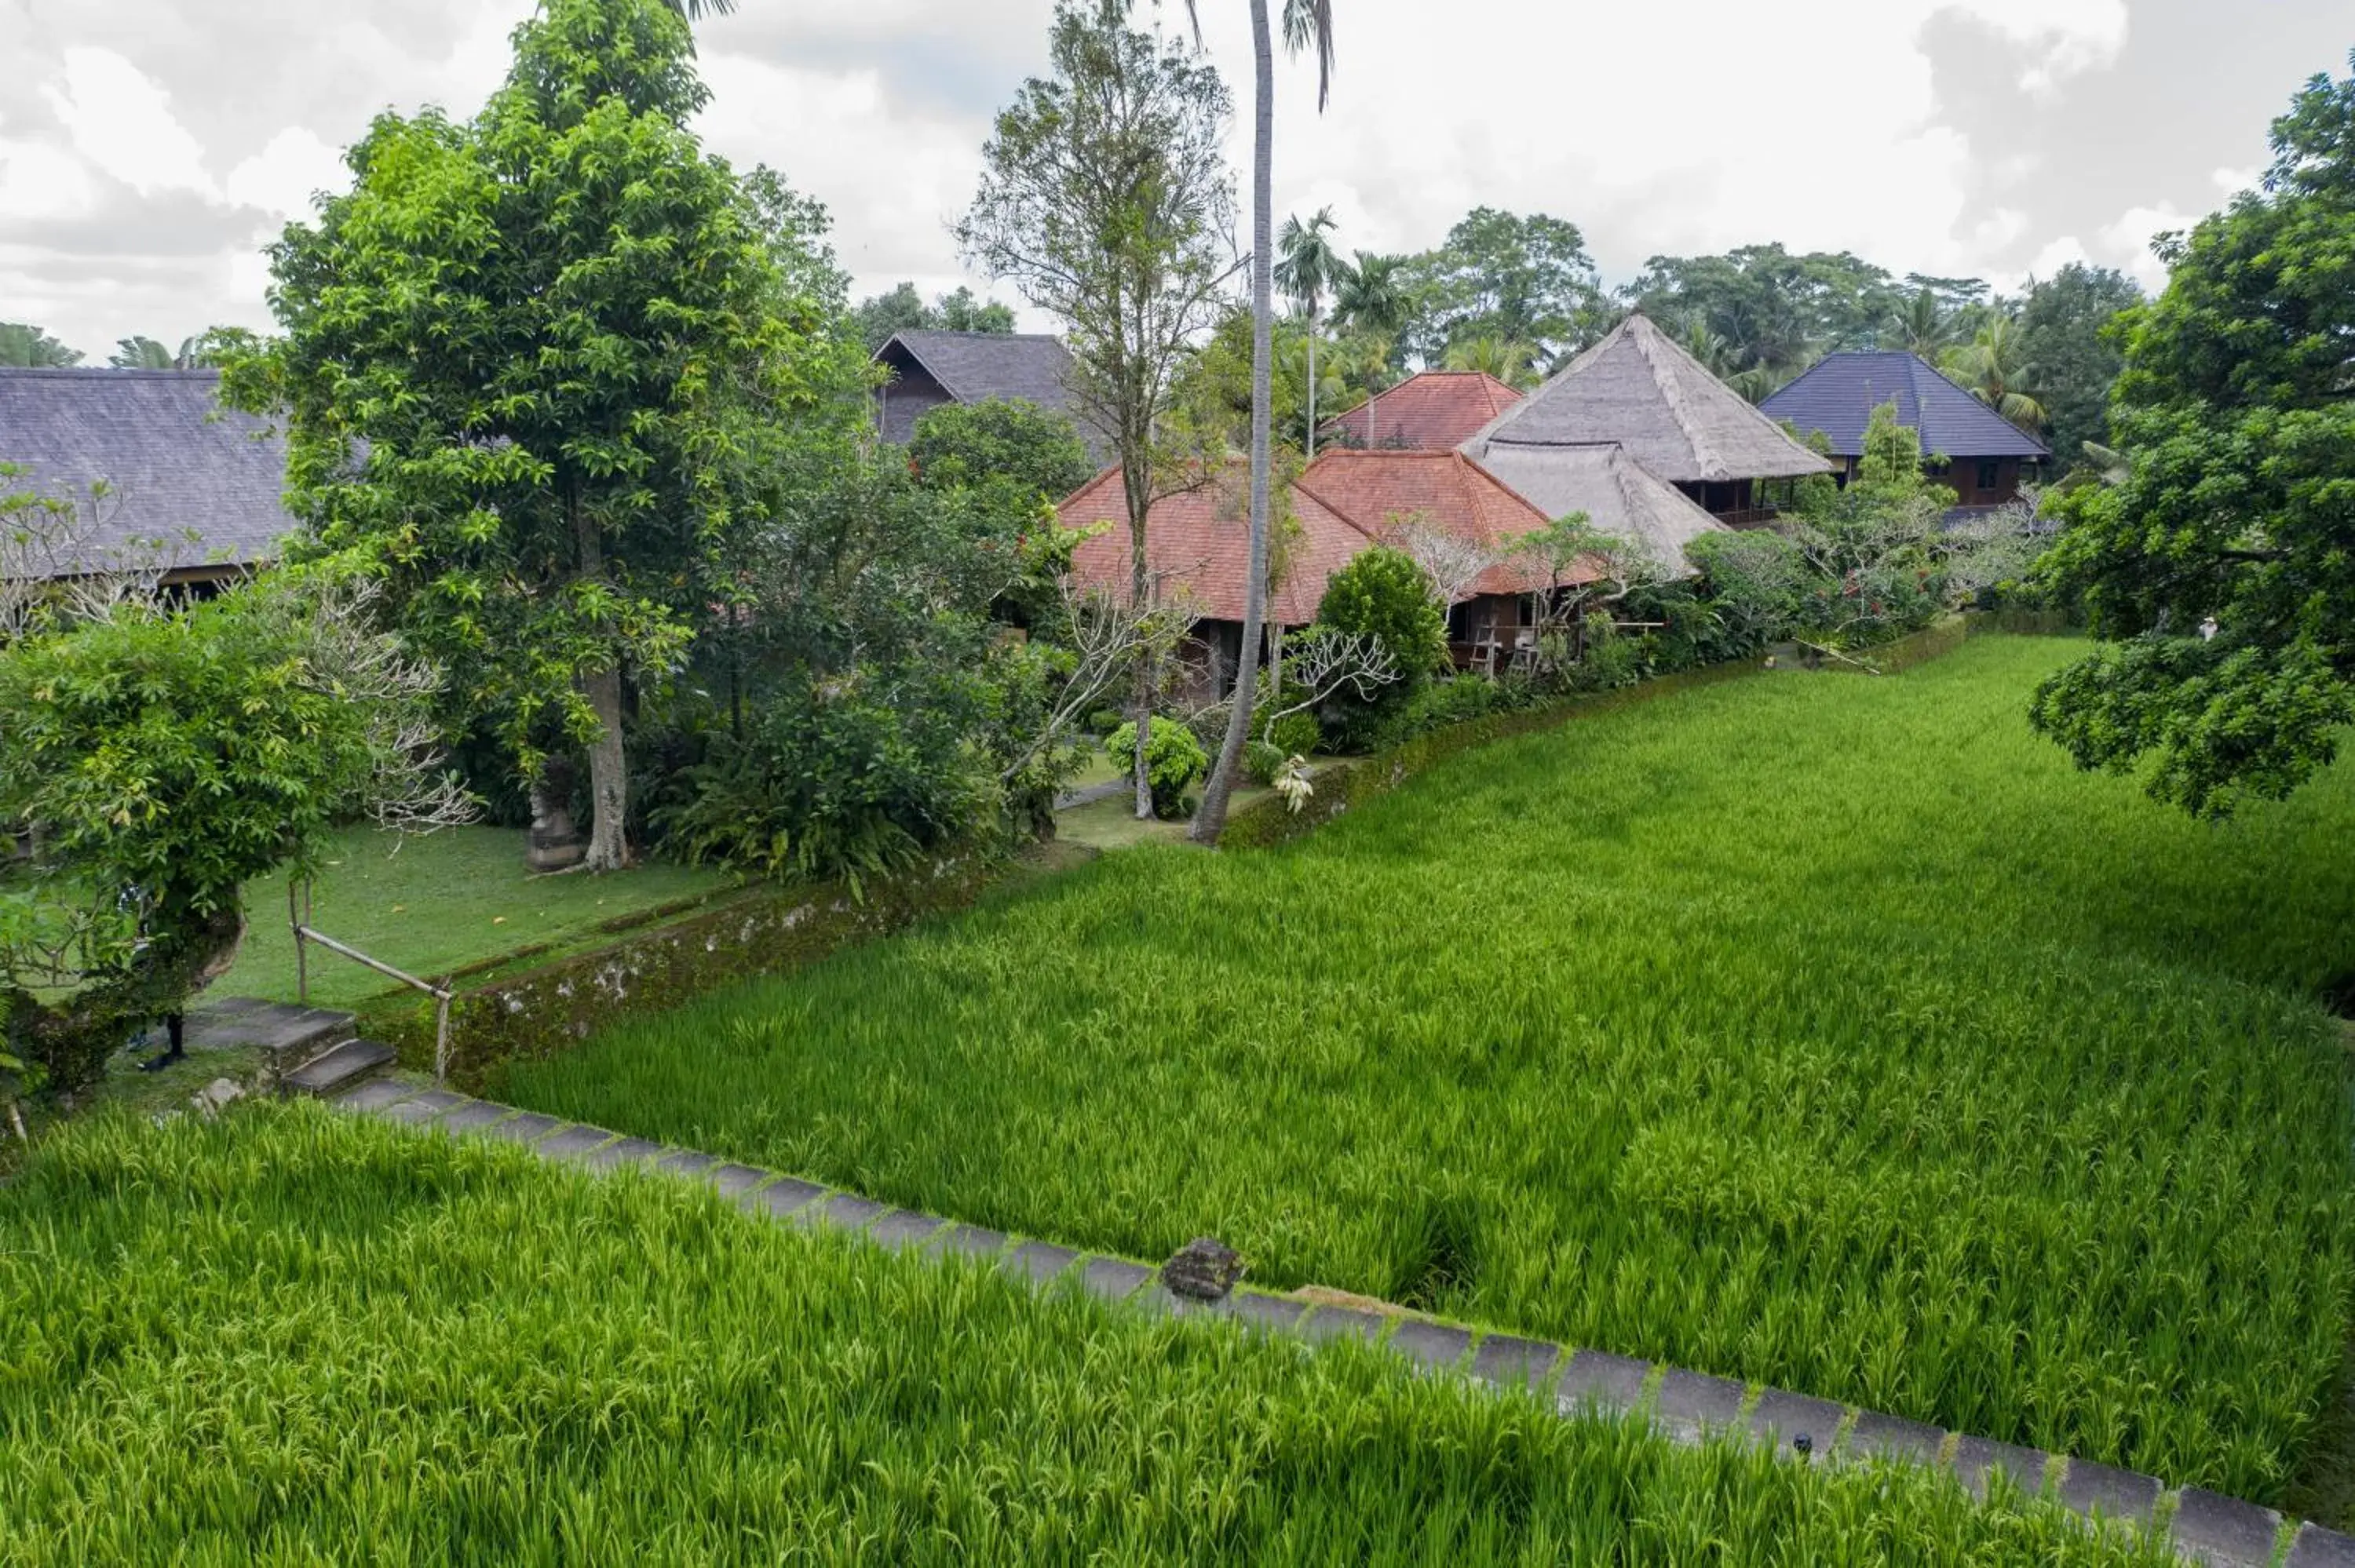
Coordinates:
(1777, 313)
(1923, 326)
(1515, 279)
(2065, 331)
(2219, 567)
(797, 226)
(1011, 442)
(141, 353)
(168, 756)
(1106, 196)
(561, 333)
(882, 316)
(26, 348)
(1509, 360)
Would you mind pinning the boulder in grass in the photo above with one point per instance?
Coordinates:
(1204, 1269)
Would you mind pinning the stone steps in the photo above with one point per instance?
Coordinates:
(338, 1070)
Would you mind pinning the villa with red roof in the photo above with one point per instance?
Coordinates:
(1346, 501)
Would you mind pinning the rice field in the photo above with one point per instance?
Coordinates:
(1819, 1030)
(294, 1336)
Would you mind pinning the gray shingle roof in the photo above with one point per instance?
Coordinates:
(176, 463)
(973, 366)
(1838, 394)
(1636, 387)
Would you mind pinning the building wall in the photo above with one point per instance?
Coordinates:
(1976, 481)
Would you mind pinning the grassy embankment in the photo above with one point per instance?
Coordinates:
(1826, 1031)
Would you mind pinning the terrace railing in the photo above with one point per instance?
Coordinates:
(299, 918)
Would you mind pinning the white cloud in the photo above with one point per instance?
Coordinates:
(40, 181)
(2127, 240)
(2071, 37)
(121, 121)
(281, 179)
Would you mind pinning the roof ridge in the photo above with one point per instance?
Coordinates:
(1339, 513)
(1671, 390)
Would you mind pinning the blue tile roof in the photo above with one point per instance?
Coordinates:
(1838, 394)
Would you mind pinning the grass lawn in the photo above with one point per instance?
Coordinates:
(435, 904)
(294, 1337)
(1824, 1030)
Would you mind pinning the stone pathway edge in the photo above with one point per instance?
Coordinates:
(2205, 1527)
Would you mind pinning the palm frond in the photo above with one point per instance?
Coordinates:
(1307, 22)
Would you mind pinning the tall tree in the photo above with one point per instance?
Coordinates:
(1307, 25)
(2221, 567)
(1105, 198)
(902, 310)
(2065, 332)
(1922, 326)
(1499, 274)
(24, 347)
(1307, 267)
(141, 353)
(560, 335)
(1776, 312)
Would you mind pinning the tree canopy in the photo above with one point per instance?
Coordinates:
(881, 316)
(559, 336)
(1510, 278)
(2222, 566)
(24, 347)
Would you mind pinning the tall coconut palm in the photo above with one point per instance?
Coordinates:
(1508, 360)
(696, 10)
(1921, 327)
(1994, 366)
(1309, 266)
(1306, 24)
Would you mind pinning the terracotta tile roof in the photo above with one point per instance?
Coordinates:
(1346, 501)
(1379, 491)
(1200, 542)
(1436, 408)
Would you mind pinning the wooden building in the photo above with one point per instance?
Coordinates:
(927, 369)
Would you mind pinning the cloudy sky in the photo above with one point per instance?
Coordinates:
(148, 148)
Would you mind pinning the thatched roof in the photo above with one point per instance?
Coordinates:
(180, 469)
(1640, 390)
(1838, 394)
(1618, 496)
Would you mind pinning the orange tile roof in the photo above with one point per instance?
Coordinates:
(1435, 410)
(1346, 501)
(1380, 491)
(1198, 543)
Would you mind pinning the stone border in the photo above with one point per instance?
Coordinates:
(1688, 1407)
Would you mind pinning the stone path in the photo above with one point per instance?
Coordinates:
(2206, 1528)
(1091, 793)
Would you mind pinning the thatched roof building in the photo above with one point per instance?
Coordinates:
(1619, 496)
(1637, 389)
(190, 485)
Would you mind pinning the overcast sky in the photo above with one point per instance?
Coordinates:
(148, 148)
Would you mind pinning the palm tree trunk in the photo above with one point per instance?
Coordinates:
(1312, 383)
(1211, 819)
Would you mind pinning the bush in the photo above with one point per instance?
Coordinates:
(1294, 734)
(1007, 440)
(1102, 722)
(1453, 701)
(1174, 763)
(1384, 595)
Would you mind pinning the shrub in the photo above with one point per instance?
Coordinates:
(1175, 762)
(1006, 440)
(1294, 734)
(1453, 701)
(1384, 595)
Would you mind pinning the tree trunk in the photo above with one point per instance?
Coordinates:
(1141, 698)
(1312, 381)
(609, 779)
(1211, 820)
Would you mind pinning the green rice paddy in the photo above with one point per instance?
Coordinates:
(1820, 1031)
(297, 1337)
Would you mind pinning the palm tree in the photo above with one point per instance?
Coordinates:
(1306, 24)
(141, 353)
(1996, 370)
(1509, 360)
(1921, 327)
(1309, 267)
(696, 10)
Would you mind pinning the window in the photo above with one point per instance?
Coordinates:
(1990, 473)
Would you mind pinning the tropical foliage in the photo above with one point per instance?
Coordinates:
(2218, 568)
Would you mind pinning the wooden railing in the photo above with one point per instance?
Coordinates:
(300, 920)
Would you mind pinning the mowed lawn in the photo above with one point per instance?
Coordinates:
(294, 1336)
(1822, 1031)
(434, 902)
